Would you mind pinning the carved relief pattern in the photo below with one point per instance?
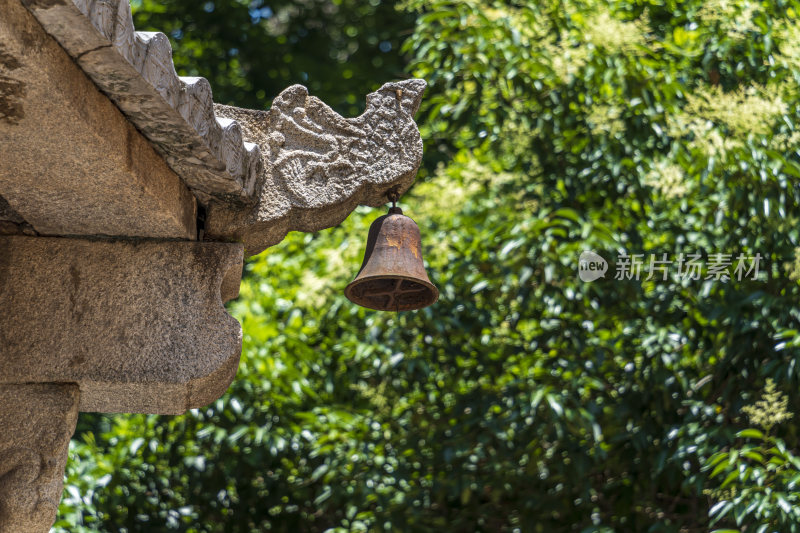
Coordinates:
(321, 165)
(38, 421)
(313, 149)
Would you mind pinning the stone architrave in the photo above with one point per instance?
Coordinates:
(140, 327)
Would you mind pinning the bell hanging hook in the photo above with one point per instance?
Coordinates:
(394, 195)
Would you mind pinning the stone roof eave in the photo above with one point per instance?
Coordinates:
(259, 173)
(176, 114)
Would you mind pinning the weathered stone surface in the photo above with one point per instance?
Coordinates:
(8, 214)
(298, 166)
(70, 162)
(320, 165)
(37, 421)
(11, 223)
(135, 70)
(139, 326)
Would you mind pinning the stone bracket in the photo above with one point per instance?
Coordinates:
(138, 326)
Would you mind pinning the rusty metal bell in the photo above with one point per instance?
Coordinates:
(392, 276)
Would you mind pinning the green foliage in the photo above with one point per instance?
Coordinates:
(524, 399)
(757, 480)
(251, 50)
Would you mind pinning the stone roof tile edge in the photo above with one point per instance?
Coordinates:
(136, 71)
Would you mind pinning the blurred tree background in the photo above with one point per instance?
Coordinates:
(251, 50)
(525, 399)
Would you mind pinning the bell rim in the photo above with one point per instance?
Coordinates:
(426, 283)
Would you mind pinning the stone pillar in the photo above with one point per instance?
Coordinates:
(37, 421)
